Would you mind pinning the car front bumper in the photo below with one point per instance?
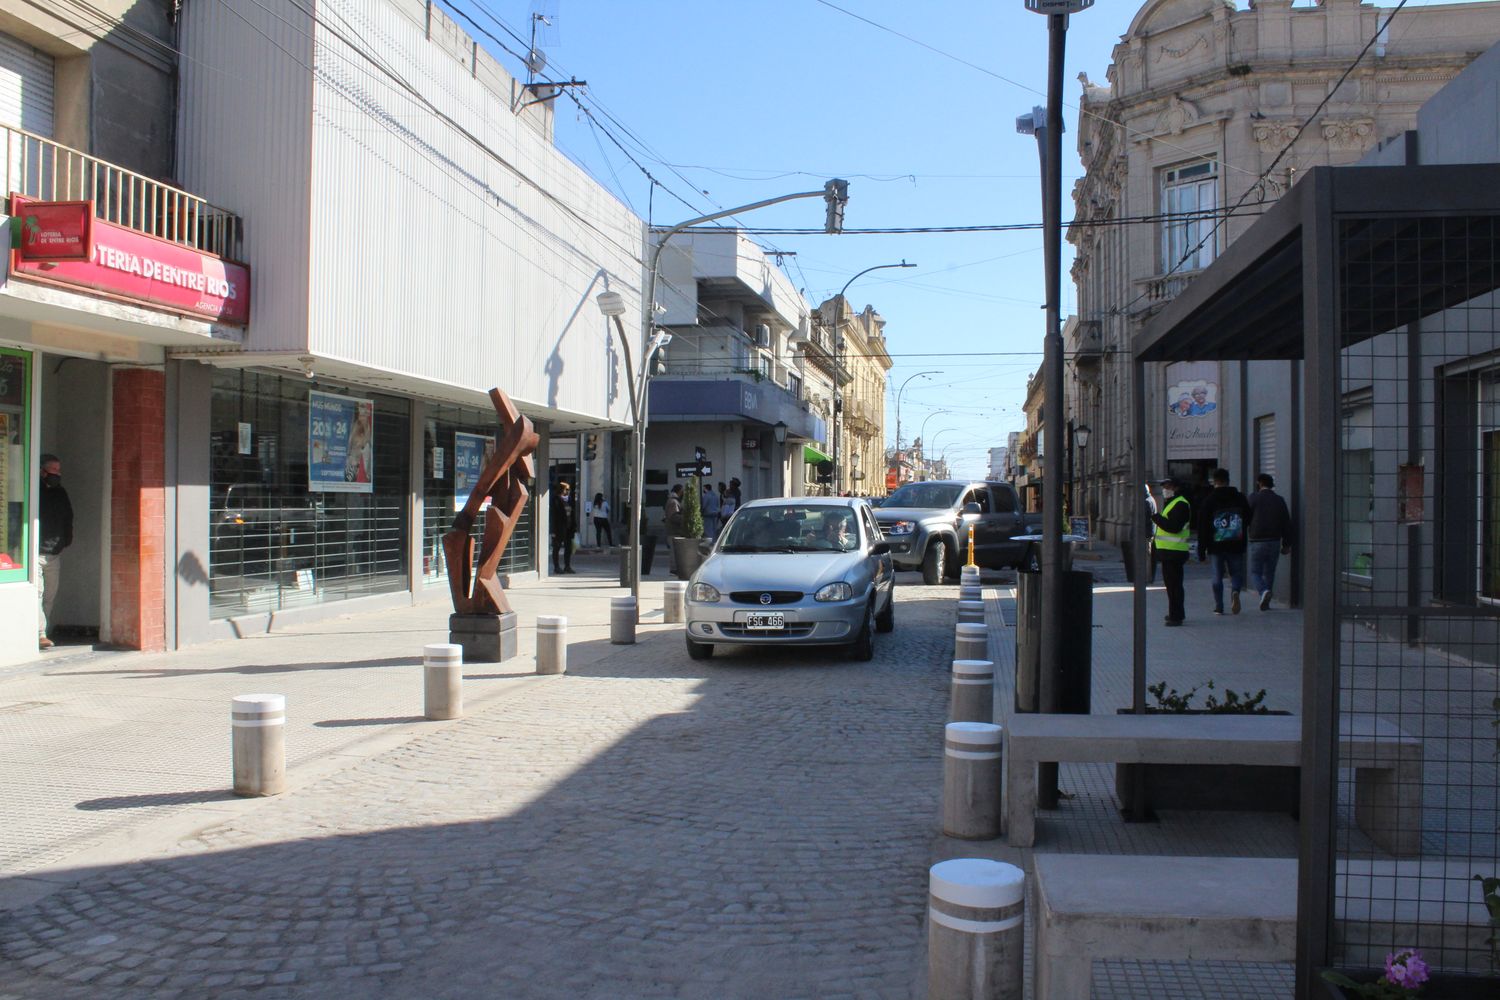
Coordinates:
(807, 623)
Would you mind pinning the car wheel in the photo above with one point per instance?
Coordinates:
(886, 620)
(953, 569)
(863, 647)
(699, 650)
(934, 563)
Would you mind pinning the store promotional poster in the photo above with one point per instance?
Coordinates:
(340, 443)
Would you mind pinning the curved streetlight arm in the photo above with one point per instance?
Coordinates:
(923, 432)
(898, 401)
(838, 369)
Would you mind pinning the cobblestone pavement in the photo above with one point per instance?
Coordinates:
(757, 825)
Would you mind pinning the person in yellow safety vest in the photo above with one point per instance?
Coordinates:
(1170, 541)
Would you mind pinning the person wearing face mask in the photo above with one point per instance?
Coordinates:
(55, 534)
(1170, 542)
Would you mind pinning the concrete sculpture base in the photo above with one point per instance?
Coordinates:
(485, 638)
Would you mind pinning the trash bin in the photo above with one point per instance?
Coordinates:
(1074, 682)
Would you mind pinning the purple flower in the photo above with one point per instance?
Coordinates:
(1405, 969)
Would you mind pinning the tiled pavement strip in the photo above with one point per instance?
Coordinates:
(580, 834)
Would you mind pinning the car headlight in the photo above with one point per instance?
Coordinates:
(703, 594)
(902, 528)
(840, 591)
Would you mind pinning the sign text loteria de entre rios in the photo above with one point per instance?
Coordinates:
(132, 266)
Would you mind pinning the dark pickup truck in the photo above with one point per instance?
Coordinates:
(927, 525)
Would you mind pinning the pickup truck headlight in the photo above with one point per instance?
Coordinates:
(840, 591)
(901, 528)
(703, 594)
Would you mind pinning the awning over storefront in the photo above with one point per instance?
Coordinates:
(812, 456)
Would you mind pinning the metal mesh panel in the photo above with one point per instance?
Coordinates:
(1418, 576)
(272, 543)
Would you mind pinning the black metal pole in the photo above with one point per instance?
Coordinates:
(1052, 373)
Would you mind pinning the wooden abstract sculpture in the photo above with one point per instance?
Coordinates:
(503, 481)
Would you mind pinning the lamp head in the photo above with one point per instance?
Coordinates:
(611, 303)
(1081, 435)
(779, 429)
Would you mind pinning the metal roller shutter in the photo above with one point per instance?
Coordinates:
(1265, 445)
(25, 86)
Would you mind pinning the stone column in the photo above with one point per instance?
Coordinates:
(971, 780)
(258, 743)
(976, 930)
(971, 641)
(443, 680)
(674, 602)
(973, 697)
(622, 619)
(551, 644)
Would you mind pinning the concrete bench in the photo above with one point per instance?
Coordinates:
(1387, 762)
(1168, 909)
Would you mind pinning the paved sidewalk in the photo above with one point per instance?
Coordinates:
(100, 752)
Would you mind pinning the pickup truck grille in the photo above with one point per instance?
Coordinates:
(777, 596)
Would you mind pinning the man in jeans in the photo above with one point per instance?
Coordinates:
(56, 534)
(1270, 536)
(1221, 533)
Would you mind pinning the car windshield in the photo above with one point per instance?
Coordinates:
(931, 495)
(792, 528)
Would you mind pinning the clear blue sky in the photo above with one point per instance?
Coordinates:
(727, 103)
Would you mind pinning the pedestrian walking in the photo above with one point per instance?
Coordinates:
(56, 533)
(728, 503)
(672, 510)
(1222, 523)
(1169, 543)
(1270, 536)
(710, 510)
(599, 511)
(564, 523)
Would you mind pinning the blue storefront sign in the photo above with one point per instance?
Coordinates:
(340, 443)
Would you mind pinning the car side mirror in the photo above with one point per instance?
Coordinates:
(972, 507)
(880, 548)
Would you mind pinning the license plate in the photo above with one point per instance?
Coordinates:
(766, 621)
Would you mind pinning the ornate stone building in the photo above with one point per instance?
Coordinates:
(1198, 128)
(862, 365)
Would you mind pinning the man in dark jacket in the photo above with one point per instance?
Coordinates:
(55, 529)
(1270, 536)
(1222, 524)
(564, 520)
(1169, 542)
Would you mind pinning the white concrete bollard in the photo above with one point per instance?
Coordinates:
(971, 611)
(622, 619)
(970, 590)
(258, 743)
(973, 698)
(674, 602)
(443, 680)
(976, 930)
(968, 574)
(971, 641)
(551, 644)
(971, 780)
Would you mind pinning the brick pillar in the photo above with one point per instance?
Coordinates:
(138, 522)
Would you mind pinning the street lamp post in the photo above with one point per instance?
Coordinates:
(1048, 130)
(836, 194)
(838, 369)
(898, 402)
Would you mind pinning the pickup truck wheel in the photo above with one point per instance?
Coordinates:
(953, 569)
(934, 562)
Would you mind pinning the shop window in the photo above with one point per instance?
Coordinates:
(455, 443)
(308, 493)
(15, 465)
(1187, 192)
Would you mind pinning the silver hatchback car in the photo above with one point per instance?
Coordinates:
(794, 571)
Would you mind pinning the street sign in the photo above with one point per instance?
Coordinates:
(686, 470)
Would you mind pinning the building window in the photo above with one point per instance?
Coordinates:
(15, 465)
(1265, 445)
(293, 523)
(794, 385)
(1186, 192)
(1358, 492)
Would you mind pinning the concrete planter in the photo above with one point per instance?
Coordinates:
(1225, 787)
(689, 556)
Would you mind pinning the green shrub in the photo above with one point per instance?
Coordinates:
(692, 509)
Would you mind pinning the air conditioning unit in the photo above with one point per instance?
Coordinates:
(763, 335)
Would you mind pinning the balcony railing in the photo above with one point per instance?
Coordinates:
(44, 170)
(1164, 288)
